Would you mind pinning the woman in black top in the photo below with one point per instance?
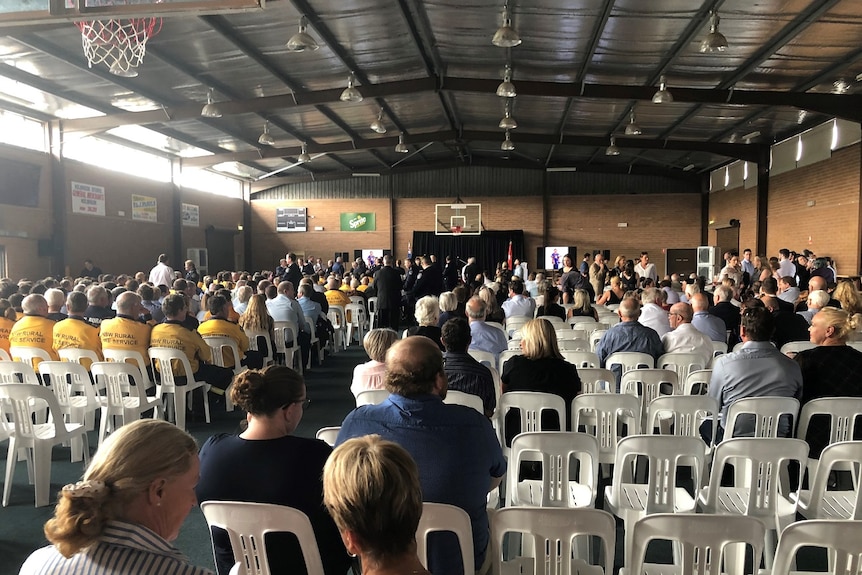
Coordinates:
(582, 306)
(629, 278)
(552, 305)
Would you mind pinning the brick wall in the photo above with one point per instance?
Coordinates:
(738, 203)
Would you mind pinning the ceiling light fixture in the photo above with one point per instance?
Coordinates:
(508, 145)
(506, 89)
(303, 158)
(211, 109)
(662, 96)
(266, 138)
(612, 150)
(378, 125)
(715, 40)
(401, 147)
(351, 94)
(632, 129)
(506, 37)
(302, 40)
(508, 122)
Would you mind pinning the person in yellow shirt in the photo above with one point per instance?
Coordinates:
(75, 331)
(219, 326)
(34, 329)
(334, 295)
(127, 331)
(173, 334)
(7, 320)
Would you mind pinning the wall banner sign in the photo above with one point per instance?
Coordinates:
(88, 199)
(145, 208)
(191, 215)
(357, 222)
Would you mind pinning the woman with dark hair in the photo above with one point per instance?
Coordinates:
(629, 277)
(266, 463)
(552, 304)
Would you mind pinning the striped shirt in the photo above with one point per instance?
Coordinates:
(122, 548)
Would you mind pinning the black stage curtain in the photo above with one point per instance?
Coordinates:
(490, 248)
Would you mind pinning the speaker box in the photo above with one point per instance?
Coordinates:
(707, 271)
(708, 255)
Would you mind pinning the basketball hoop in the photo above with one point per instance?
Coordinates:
(456, 230)
(120, 44)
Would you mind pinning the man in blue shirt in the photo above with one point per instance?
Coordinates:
(629, 335)
(454, 446)
(485, 337)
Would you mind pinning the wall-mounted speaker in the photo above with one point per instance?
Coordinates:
(707, 255)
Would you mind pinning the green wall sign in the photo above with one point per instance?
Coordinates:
(354, 222)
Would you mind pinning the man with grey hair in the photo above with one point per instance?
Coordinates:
(484, 337)
(685, 337)
(652, 314)
(629, 335)
(56, 300)
(240, 302)
(714, 327)
(34, 329)
(724, 308)
(100, 305)
(817, 300)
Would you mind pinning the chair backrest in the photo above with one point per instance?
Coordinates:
(455, 397)
(766, 412)
(372, 304)
(438, 517)
(574, 344)
(356, 311)
(357, 299)
(22, 401)
(842, 539)
(29, 355)
(336, 315)
(682, 363)
(371, 397)
(126, 355)
(795, 347)
(67, 377)
(696, 383)
(17, 372)
(597, 380)
(247, 525)
(665, 453)
(506, 356)
(842, 411)
(4, 355)
(647, 384)
(564, 333)
(552, 533)
(328, 434)
(581, 319)
(684, 414)
(484, 357)
(254, 344)
(555, 320)
(847, 505)
(702, 540)
(312, 330)
(285, 331)
(117, 377)
(555, 449)
(595, 337)
(168, 359)
(530, 405)
(765, 457)
(629, 360)
(224, 345)
(719, 348)
(76, 354)
(497, 325)
(581, 358)
(602, 414)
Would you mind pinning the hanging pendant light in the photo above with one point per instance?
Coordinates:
(302, 40)
(508, 145)
(612, 150)
(211, 109)
(350, 93)
(715, 40)
(662, 96)
(508, 122)
(303, 158)
(506, 89)
(506, 37)
(401, 147)
(378, 125)
(632, 129)
(266, 138)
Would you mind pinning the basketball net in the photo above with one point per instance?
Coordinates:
(456, 230)
(120, 44)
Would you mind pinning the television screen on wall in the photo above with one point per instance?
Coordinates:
(554, 256)
(290, 220)
(19, 184)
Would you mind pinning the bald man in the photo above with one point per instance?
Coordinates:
(629, 335)
(34, 329)
(684, 337)
(713, 326)
(454, 446)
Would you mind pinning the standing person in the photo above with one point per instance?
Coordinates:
(129, 506)
(162, 274)
(598, 273)
(90, 270)
(266, 463)
(450, 274)
(585, 264)
(292, 274)
(645, 269)
(571, 280)
(470, 271)
(192, 274)
(388, 283)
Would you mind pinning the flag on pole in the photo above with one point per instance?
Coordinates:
(509, 260)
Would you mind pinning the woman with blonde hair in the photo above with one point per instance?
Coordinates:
(848, 296)
(495, 313)
(582, 306)
(266, 463)
(614, 295)
(541, 367)
(371, 488)
(427, 313)
(131, 502)
(369, 375)
(256, 318)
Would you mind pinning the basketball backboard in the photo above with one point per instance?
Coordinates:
(44, 11)
(458, 219)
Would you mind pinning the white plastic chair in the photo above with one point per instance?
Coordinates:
(328, 434)
(718, 348)
(755, 492)
(766, 412)
(595, 337)
(564, 333)
(574, 344)
(581, 358)
(254, 344)
(486, 358)
(498, 326)
(631, 500)
(31, 355)
(819, 502)
(136, 359)
(78, 355)
(164, 358)
(597, 380)
(795, 347)
(701, 541)
(554, 320)
(551, 533)
(506, 356)
(4, 355)
(122, 399)
(336, 315)
(682, 363)
(629, 360)
(219, 346)
(455, 397)
(603, 416)
(315, 343)
(285, 331)
(842, 413)
(681, 415)
(696, 383)
(440, 517)
(22, 401)
(581, 321)
(557, 450)
(66, 377)
(515, 323)
(357, 322)
(841, 539)
(372, 312)
(247, 525)
(647, 384)
(17, 372)
(530, 405)
(371, 397)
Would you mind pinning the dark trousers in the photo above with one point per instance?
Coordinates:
(389, 317)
